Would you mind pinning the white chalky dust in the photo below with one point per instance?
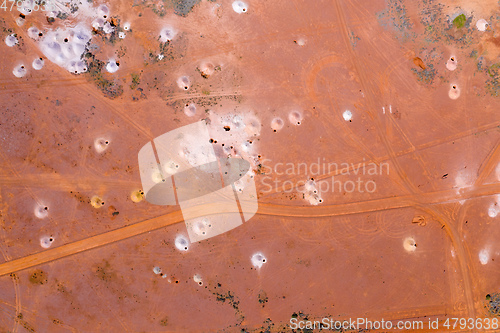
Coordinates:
(167, 34)
(38, 64)
(452, 63)
(409, 244)
(347, 115)
(101, 144)
(112, 66)
(484, 256)
(198, 279)
(240, 7)
(277, 124)
(311, 194)
(258, 260)
(181, 243)
(46, 241)
(481, 25)
(454, 91)
(11, 40)
(41, 211)
(66, 47)
(19, 71)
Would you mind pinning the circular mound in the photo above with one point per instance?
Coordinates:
(454, 91)
(184, 83)
(206, 69)
(295, 117)
(112, 66)
(347, 115)
(277, 124)
(11, 40)
(33, 32)
(452, 63)
(37, 64)
(258, 259)
(409, 244)
(19, 71)
(46, 241)
(137, 196)
(240, 7)
(41, 211)
(181, 243)
(167, 34)
(96, 202)
(101, 144)
(482, 25)
(190, 109)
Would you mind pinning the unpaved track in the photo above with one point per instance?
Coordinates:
(264, 209)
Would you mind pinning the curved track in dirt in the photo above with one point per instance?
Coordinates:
(264, 209)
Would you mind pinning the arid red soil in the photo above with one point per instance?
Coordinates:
(397, 100)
